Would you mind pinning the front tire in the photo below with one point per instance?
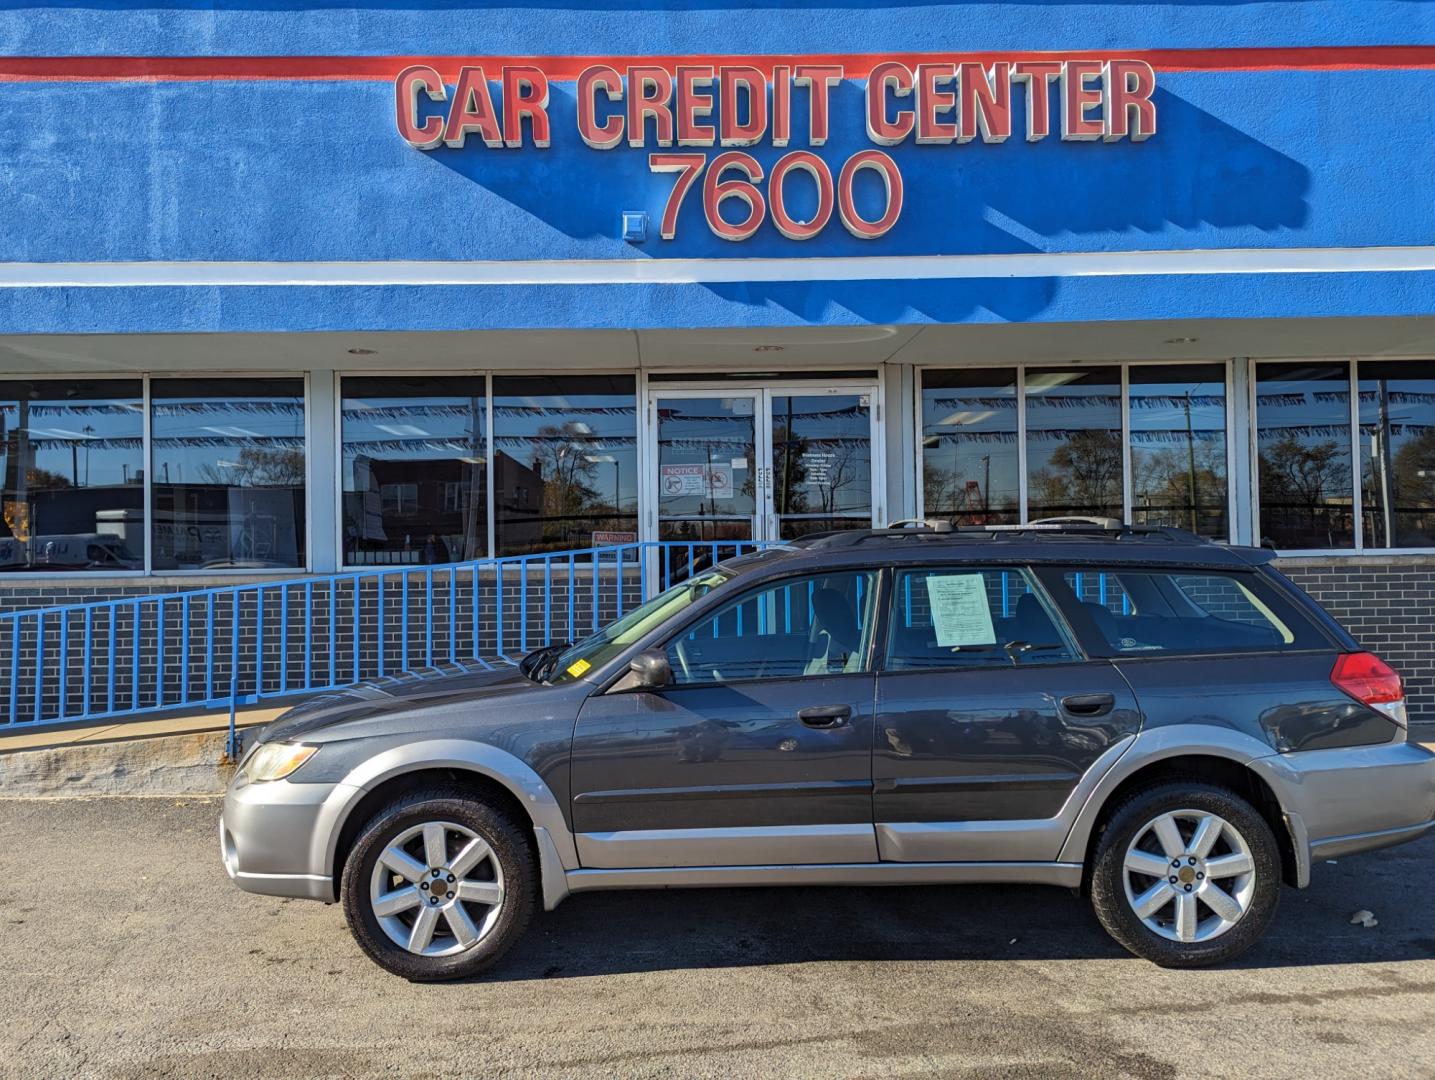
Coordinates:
(439, 886)
(1186, 875)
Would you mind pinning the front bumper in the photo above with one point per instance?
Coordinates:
(273, 837)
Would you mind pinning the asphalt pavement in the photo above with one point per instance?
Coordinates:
(125, 952)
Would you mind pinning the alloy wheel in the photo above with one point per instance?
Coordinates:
(437, 889)
(1189, 875)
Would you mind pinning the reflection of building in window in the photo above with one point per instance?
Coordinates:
(73, 475)
(400, 498)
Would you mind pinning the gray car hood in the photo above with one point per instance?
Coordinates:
(370, 707)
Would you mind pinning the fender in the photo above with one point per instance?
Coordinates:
(1159, 744)
(556, 849)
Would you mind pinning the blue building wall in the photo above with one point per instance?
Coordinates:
(1291, 157)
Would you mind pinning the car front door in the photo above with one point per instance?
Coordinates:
(758, 753)
(988, 717)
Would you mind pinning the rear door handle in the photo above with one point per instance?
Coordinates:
(825, 716)
(1089, 704)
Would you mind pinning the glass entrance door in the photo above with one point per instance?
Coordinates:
(821, 462)
(763, 463)
(707, 463)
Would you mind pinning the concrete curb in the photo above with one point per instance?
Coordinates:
(189, 764)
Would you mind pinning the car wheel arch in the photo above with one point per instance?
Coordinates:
(481, 766)
(1231, 759)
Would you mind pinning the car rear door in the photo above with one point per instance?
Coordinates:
(1217, 646)
(761, 750)
(988, 716)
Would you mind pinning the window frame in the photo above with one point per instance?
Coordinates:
(1096, 647)
(308, 546)
(882, 577)
(490, 491)
(146, 378)
(1125, 367)
(1357, 508)
(1079, 653)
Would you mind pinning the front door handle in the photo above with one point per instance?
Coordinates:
(825, 716)
(1089, 704)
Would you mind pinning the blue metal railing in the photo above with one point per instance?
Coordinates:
(241, 644)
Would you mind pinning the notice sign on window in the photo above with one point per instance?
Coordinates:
(960, 612)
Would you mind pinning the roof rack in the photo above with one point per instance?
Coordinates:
(918, 529)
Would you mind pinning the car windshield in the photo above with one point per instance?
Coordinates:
(608, 642)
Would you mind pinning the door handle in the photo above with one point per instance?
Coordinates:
(1089, 704)
(825, 716)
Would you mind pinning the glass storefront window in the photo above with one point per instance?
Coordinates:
(970, 464)
(1178, 447)
(1303, 441)
(565, 453)
(73, 471)
(228, 467)
(414, 469)
(1397, 452)
(1073, 435)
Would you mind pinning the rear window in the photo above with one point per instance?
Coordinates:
(1125, 612)
(970, 616)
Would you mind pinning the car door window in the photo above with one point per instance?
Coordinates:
(818, 624)
(970, 616)
(1133, 612)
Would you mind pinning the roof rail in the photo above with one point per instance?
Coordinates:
(917, 529)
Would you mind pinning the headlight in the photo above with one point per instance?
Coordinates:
(274, 761)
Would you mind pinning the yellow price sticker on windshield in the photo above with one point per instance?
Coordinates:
(578, 667)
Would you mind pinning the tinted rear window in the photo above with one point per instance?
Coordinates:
(1128, 612)
(970, 616)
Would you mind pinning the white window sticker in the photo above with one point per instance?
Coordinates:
(960, 612)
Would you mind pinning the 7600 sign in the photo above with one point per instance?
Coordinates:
(736, 175)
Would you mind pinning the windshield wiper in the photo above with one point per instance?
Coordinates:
(538, 664)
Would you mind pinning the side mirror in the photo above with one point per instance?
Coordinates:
(651, 670)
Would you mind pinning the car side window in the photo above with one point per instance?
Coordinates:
(968, 616)
(818, 624)
(1132, 612)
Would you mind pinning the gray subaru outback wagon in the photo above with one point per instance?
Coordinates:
(1166, 724)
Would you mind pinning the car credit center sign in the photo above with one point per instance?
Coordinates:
(929, 103)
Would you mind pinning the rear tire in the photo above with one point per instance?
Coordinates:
(1186, 875)
(439, 885)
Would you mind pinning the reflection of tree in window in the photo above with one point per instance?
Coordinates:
(1397, 452)
(1074, 448)
(1304, 466)
(1178, 446)
(566, 451)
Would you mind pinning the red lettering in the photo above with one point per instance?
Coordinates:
(1127, 108)
(986, 102)
(608, 134)
(815, 167)
(735, 82)
(525, 93)
(693, 105)
(931, 101)
(846, 202)
(411, 82)
(649, 89)
(1077, 98)
(819, 80)
(472, 110)
(781, 104)
(1037, 76)
(880, 129)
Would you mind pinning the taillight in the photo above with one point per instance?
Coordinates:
(1371, 681)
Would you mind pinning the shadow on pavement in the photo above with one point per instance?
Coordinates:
(637, 931)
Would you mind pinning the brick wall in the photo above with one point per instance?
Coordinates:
(1388, 605)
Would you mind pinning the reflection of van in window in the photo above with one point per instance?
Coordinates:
(76, 551)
